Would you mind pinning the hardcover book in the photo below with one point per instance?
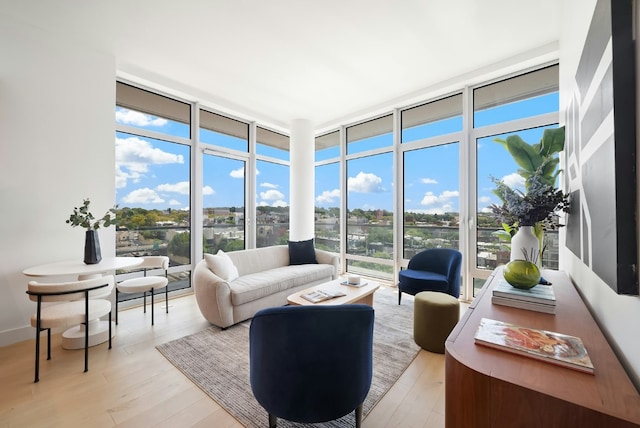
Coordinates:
(539, 294)
(523, 304)
(556, 348)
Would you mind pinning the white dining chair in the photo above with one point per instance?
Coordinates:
(146, 283)
(65, 304)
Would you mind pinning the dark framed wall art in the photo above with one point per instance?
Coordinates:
(600, 150)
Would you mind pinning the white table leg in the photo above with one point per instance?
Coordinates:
(73, 338)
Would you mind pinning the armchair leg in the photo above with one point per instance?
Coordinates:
(273, 420)
(359, 416)
(399, 295)
(152, 316)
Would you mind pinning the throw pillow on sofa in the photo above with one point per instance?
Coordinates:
(302, 252)
(222, 265)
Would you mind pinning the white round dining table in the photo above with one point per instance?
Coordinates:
(78, 267)
(73, 338)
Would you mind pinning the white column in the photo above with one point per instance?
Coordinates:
(302, 181)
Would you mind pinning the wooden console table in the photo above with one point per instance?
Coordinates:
(491, 388)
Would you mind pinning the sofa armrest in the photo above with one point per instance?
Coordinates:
(213, 296)
(329, 258)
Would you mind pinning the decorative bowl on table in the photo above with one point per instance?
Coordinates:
(521, 274)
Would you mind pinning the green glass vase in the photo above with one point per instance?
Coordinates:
(521, 274)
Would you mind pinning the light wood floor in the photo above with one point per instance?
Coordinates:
(133, 385)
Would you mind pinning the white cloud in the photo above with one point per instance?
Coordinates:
(429, 199)
(237, 173)
(123, 177)
(174, 202)
(133, 157)
(143, 196)
(130, 117)
(514, 180)
(429, 181)
(181, 187)
(484, 199)
(269, 185)
(279, 204)
(438, 204)
(328, 196)
(365, 182)
(271, 195)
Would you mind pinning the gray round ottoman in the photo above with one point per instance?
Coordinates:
(434, 316)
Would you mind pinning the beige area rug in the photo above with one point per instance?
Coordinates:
(218, 361)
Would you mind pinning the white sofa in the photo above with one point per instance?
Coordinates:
(265, 280)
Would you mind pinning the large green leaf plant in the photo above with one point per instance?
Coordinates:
(538, 165)
(540, 160)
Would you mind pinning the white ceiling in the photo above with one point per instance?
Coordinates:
(327, 61)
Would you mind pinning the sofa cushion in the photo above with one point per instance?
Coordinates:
(248, 288)
(259, 259)
(302, 252)
(222, 265)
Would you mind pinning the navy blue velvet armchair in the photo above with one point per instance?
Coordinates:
(435, 269)
(311, 363)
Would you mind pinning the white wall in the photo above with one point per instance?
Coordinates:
(618, 316)
(57, 147)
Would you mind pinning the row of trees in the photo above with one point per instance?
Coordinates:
(141, 218)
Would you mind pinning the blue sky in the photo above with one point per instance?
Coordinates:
(152, 173)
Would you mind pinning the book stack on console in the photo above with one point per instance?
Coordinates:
(540, 298)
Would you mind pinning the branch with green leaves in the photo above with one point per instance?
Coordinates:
(81, 216)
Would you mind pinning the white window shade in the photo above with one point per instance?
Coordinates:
(224, 125)
(536, 83)
(435, 111)
(328, 140)
(137, 99)
(380, 126)
(272, 139)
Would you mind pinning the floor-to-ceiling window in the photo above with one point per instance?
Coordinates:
(430, 167)
(327, 192)
(524, 105)
(446, 153)
(226, 147)
(153, 184)
(417, 177)
(370, 198)
(272, 188)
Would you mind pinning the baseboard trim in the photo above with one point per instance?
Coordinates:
(9, 337)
